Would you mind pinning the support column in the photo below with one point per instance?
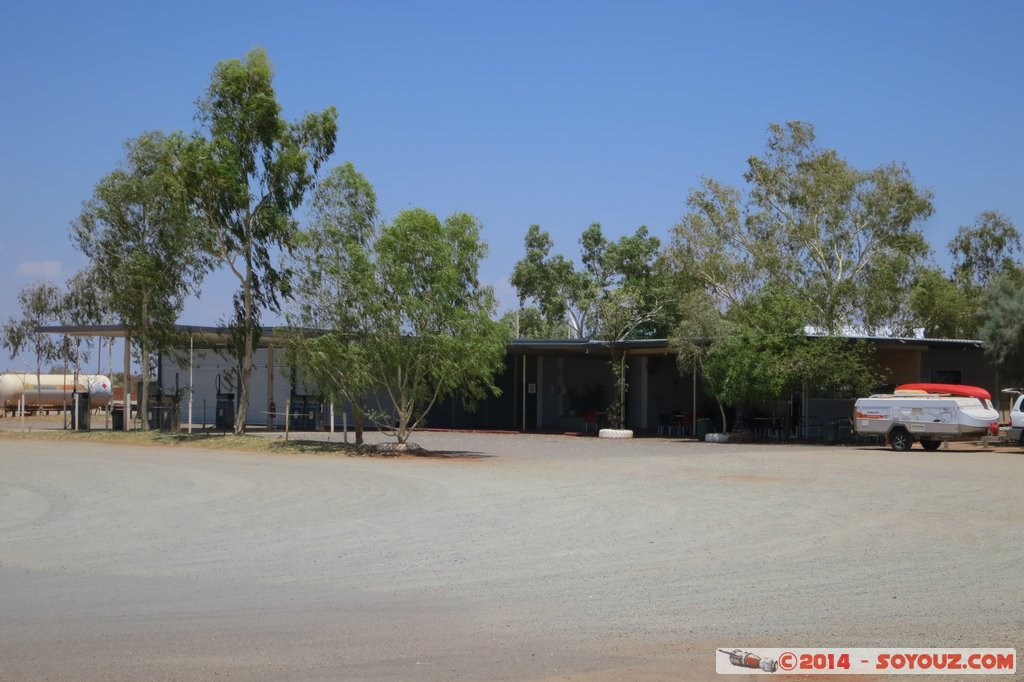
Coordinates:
(524, 394)
(643, 393)
(270, 388)
(191, 365)
(561, 387)
(540, 392)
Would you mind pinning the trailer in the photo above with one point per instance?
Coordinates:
(928, 413)
(51, 391)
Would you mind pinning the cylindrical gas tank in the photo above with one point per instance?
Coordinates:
(53, 389)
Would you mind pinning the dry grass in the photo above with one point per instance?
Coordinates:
(199, 440)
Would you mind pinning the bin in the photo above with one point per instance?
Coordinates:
(703, 428)
(80, 411)
(830, 433)
(225, 416)
(117, 419)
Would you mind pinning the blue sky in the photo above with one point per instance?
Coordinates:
(558, 113)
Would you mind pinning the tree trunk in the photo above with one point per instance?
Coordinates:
(721, 409)
(243, 388)
(144, 398)
(359, 417)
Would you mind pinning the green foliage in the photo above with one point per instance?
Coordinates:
(622, 291)
(143, 243)
(619, 293)
(407, 322)
(944, 307)
(759, 352)
(986, 249)
(953, 306)
(838, 240)
(561, 293)
(83, 302)
(40, 306)
(1002, 328)
(530, 323)
(141, 238)
(246, 180)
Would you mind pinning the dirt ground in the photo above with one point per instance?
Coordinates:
(513, 557)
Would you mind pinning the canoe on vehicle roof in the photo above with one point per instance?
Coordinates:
(948, 389)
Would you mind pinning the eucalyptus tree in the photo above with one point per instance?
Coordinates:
(333, 267)
(953, 305)
(810, 244)
(84, 302)
(844, 242)
(988, 248)
(40, 306)
(144, 245)
(620, 292)
(394, 316)
(247, 178)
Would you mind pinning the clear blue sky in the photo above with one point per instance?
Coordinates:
(558, 113)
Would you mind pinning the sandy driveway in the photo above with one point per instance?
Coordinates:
(526, 558)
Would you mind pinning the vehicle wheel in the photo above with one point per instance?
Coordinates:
(900, 440)
(931, 444)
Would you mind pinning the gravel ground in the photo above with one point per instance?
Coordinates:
(511, 557)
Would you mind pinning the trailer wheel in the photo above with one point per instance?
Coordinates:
(931, 444)
(900, 440)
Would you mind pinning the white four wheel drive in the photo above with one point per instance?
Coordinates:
(1015, 434)
(928, 414)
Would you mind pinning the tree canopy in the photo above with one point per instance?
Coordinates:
(143, 242)
(812, 245)
(394, 317)
(839, 240)
(247, 178)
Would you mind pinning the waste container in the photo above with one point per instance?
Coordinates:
(80, 411)
(703, 427)
(153, 410)
(225, 417)
(830, 433)
(117, 419)
(307, 414)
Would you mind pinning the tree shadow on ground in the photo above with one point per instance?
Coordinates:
(468, 455)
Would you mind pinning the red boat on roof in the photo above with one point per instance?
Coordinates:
(948, 389)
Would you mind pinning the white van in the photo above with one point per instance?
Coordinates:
(1015, 434)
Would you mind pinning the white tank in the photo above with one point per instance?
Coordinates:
(53, 389)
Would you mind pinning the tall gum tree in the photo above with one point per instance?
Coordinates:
(621, 292)
(841, 241)
(401, 318)
(40, 306)
(247, 178)
(144, 245)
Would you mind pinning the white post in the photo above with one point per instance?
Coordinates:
(110, 375)
(22, 410)
(127, 382)
(75, 416)
(332, 418)
(190, 383)
(287, 416)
